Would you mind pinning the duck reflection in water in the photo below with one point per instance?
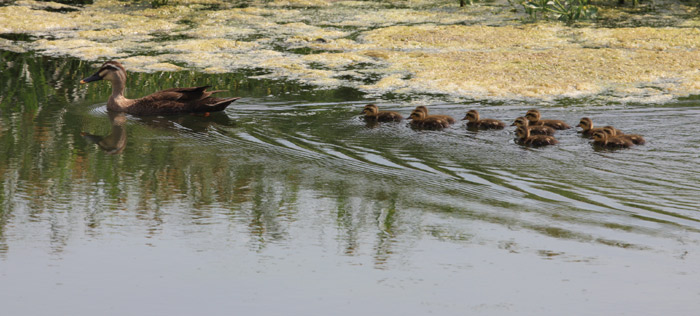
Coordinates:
(195, 122)
(115, 142)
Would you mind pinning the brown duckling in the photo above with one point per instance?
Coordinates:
(422, 108)
(534, 117)
(587, 125)
(525, 138)
(372, 113)
(534, 130)
(634, 138)
(170, 101)
(601, 138)
(475, 122)
(421, 121)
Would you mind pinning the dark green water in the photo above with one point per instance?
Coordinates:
(289, 204)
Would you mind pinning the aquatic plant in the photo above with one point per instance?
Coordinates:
(564, 10)
(159, 3)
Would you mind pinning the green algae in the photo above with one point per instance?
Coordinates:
(397, 48)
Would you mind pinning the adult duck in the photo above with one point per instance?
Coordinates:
(170, 101)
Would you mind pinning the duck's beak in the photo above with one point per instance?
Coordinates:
(92, 78)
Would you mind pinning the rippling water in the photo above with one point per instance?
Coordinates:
(289, 203)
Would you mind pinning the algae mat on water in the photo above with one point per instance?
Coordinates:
(402, 48)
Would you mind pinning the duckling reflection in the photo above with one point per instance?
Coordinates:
(115, 142)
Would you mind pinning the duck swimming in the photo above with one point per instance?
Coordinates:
(422, 108)
(634, 138)
(475, 122)
(534, 130)
(601, 138)
(170, 101)
(526, 139)
(421, 121)
(534, 117)
(372, 113)
(587, 125)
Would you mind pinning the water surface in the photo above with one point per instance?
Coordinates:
(289, 203)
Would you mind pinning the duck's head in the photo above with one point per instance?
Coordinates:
(521, 122)
(533, 115)
(609, 130)
(472, 116)
(421, 108)
(600, 136)
(111, 71)
(585, 123)
(522, 132)
(417, 115)
(370, 109)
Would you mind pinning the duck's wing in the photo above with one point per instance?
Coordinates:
(181, 94)
(179, 100)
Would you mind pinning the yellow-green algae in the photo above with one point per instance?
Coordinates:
(411, 47)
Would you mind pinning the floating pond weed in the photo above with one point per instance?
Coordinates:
(397, 48)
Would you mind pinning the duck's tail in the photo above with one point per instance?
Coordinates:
(218, 105)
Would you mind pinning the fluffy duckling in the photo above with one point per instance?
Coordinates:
(474, 121)
(372, 113)
(525, 138)
(601, 138)
(421, 121)
(421, 108)
(534, 130)
(634, 138)
(587, 125)
(534, 117)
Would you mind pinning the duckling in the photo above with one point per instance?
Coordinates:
(634, 138)
(422, 108)
(534, 130)
(372, 113)
(587, 125)
(420, 121)
(525, 138)
(534, 117)
(601, 138)
(170, 101)
(474, 121)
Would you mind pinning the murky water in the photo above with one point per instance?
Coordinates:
(289, 203)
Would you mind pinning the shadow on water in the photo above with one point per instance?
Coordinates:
(269, 162)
